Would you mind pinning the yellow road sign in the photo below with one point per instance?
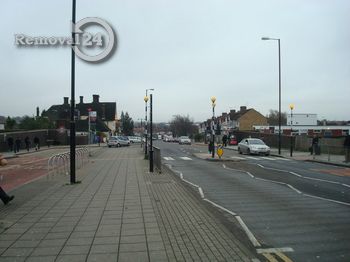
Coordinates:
(220, 151)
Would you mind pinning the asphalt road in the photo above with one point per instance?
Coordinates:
(284, 203)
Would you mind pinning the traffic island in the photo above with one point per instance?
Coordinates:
(208, 157)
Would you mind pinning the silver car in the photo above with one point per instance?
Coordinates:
(184, 140)
(253, 146)
(134, 139)
(118, 141)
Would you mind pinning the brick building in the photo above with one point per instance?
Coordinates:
(242, 120)
(105, 120)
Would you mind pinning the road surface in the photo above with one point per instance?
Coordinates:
(301, 207)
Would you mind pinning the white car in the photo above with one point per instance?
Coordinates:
(253, 146)
(168, 139)
(184, 140)
(118, 141)
(134, 139)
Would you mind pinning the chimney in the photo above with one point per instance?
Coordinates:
(37, 111)
(65, 100)
(232, 111)
(243, 108)
(81, 99)
(95, 98)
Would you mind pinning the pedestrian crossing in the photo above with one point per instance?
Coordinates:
(260, 158)
(169, 158)
(255, 158)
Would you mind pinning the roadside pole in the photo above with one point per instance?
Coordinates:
(72, 106)
(151, 135)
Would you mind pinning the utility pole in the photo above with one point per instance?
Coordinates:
(72, 103)
(151, 135)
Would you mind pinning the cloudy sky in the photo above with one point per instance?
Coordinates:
(187, 51)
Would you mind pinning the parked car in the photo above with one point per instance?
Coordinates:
(232, 141)
(134, 139)
(253, 146)
(168, 139)
(118, 141)
(184, 140)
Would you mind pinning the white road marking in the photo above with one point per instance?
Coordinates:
(168, 158)
(284, 159)
(274, 250)
(254, 158)
(185, 158)
(327, 199)
(220, 207)
(201, 192)
(293, 188)
(250, 235)
(269, 158)
(237, 157)
(275, 169)
(293, 173)
(251, 175)
(305, 177)
(299, 192)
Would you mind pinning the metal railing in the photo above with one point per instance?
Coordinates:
(60, 163)
(157, 158)
(329, 153)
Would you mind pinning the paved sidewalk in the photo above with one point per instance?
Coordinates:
(119, 212)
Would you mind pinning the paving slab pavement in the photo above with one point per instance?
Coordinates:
(119, 212)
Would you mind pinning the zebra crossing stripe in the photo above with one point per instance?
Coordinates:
(185, 158)
(168, 158)
(284, 159)
(237, 157)
(269, 158)
(254, 158)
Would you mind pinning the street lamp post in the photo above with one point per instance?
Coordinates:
(151, 134)
(213, 104)
(140, 119)
(145, 99)
(146, 125)
(291, 106)
(279, 90)
(72, 101)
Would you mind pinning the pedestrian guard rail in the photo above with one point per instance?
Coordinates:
(329, 153)
(60, 163)
(157, 158)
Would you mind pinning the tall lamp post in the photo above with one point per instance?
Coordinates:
(145, 99)
(151, 133)
(213, 104)
(146, 126)
(140, 119)
(72, 103)
(279, 90)
(291, 106)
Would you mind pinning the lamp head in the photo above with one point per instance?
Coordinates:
(145, 99)
(291, 106)
(213, 99)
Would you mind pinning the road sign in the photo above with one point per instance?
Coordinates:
(220, 151)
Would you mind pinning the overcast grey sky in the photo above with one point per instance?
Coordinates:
(187, 51)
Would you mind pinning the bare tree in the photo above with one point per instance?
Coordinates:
(182, 126)
(273, 117)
